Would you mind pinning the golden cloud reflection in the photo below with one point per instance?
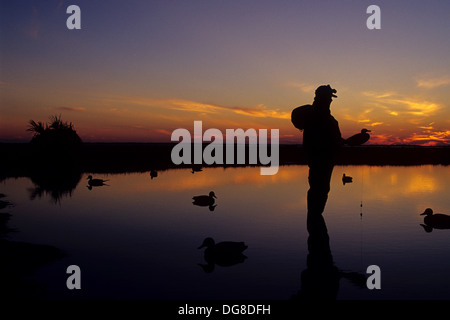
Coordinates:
(373, 183)
(390, 183)
(183, 179)
(421, 183)
(244, 190)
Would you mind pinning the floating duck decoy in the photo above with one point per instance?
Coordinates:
(196, 168)
(346, 179)
(205, 200)
(435, 220)
(95, 182)
(223, 254)
(359, 138)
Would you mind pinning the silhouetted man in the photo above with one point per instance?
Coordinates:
(321, 141)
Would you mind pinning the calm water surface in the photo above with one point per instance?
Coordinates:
(137, 238)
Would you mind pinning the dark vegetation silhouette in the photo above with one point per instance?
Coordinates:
(54, 142)
(4, 203)
(54, 133)
(19, 260)
(224, 254)
(4, 216)
(53, 158)
(55, 183)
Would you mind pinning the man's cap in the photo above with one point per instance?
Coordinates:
(325, 91)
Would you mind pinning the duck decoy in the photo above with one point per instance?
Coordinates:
(359, 138)
(346, 179)
(435, 220)
(205, 201)
(95, 182)
(223, 254)
(196, 168)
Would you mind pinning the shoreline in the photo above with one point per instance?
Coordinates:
(19, 160)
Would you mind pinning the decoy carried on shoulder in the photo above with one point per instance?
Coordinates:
(95, 182)
(359, 138)
(223, 254)
(435, 220)
(205, 200)
(346, 179)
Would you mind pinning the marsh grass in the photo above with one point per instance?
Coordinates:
(55, 141)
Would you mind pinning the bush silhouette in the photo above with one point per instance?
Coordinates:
(56, 140)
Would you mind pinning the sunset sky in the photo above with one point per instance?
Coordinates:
(137, 70)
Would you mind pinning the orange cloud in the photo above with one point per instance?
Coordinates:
(70, 108)
(200, 107)
(395, 104)
(308, 88)
(424, 138)
(431, 83)
(361, 117)
(258, 111)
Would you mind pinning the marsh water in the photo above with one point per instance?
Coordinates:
(138, 236)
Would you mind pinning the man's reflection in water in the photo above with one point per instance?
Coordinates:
(321, 278)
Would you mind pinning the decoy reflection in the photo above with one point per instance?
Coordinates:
(435, 220)
(223, 254)
(153, 174)
(346, 179)
(196, 168)
(95, 182)
(205, 201)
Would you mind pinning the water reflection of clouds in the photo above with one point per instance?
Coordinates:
(389, 183)
(391, 186)
(183, 179)
(422, 184)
